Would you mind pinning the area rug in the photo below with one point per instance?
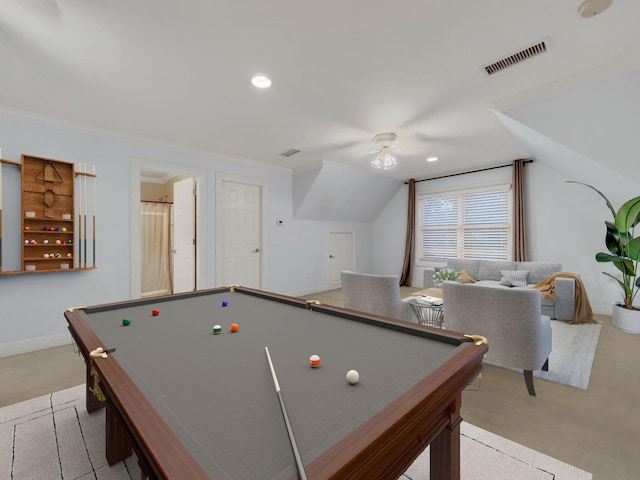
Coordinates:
(573, 348)
(53, 437)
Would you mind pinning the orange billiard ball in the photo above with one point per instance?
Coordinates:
(234, 327)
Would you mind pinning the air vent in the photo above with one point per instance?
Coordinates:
(518, 57)
(290, 153)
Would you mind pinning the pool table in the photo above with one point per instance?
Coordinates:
(194, 405)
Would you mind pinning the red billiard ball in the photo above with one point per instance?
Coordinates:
(155, 312)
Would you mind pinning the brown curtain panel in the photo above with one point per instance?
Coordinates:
(407, 264)
(519, 214)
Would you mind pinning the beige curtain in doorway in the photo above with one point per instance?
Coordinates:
(156, 255)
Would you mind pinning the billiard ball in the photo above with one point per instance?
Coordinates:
(224, 303)
(155, 312)
(217, 329)
(126, 321)
(64, 229)
(69, 255)
(27, 228)
(69, 242)
(46, 255)
(234, 327)
(58, 242)
(33, 242)
(353, 377)
(46, 242)
(314, 361)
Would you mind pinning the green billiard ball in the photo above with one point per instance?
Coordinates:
(126, 321)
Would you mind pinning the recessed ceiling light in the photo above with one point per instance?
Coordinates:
(261, 81)
(432, 159)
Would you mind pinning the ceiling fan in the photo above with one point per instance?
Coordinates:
(384, 158)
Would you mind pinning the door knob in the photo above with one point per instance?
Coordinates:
(331, 256)
(256, 250)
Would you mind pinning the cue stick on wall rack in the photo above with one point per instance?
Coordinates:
(292, 440)
(94, 216)
(79, 203)
(85, 215)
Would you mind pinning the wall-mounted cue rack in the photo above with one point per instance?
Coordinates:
(55, 232)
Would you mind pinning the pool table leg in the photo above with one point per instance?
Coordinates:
(445, 449)
(118, 445)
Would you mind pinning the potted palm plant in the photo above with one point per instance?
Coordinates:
(624, 253)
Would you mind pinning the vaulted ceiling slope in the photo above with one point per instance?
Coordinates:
(178, 73)
(337, 192)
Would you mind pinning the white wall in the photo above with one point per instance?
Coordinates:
(32, 305)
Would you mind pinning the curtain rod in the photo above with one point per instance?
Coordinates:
(529, 160)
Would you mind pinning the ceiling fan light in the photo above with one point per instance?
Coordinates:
(384, 160)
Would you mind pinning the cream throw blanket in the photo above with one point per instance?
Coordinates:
(582, 312)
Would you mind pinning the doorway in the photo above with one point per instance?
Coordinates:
(183, 189)
(341, 254)
(240, 231)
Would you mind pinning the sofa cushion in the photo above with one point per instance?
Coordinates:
(490, 269)
(538, 271)
(514, 278)
(468, 264)
(464, 277)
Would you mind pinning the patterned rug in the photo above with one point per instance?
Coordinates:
(53, 437)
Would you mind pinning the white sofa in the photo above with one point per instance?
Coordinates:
(488, 273)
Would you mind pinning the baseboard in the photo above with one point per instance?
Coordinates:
(34, 344)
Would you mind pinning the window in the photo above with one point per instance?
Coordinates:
(465, 224)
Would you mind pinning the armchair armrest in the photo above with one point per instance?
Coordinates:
(427, 279)
(565, 289)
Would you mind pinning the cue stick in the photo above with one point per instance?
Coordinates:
(292, 440)
(79, 215)
(85, 215)
(94, 216)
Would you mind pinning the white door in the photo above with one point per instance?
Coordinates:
(184, 244)
(340, 255)
(241, 234)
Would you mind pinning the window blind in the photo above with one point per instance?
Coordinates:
(466, 224)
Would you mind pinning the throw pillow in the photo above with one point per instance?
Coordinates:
(464, 277)
(514, 278)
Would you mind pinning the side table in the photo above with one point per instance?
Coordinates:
(429, 315)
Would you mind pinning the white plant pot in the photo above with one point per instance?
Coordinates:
(625, 319)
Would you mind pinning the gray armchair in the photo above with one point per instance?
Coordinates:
(377, 294)
(519, 336)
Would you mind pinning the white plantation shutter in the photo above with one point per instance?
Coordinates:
(466, 224)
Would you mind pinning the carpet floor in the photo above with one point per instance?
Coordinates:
(53, 437)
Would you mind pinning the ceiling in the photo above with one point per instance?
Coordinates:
(178, 73)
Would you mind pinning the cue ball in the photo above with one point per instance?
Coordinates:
(314, 361)
(234, 327)
(353, 377)
(126, 321)
(46, 255)
(155, 312)
(46, 242)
